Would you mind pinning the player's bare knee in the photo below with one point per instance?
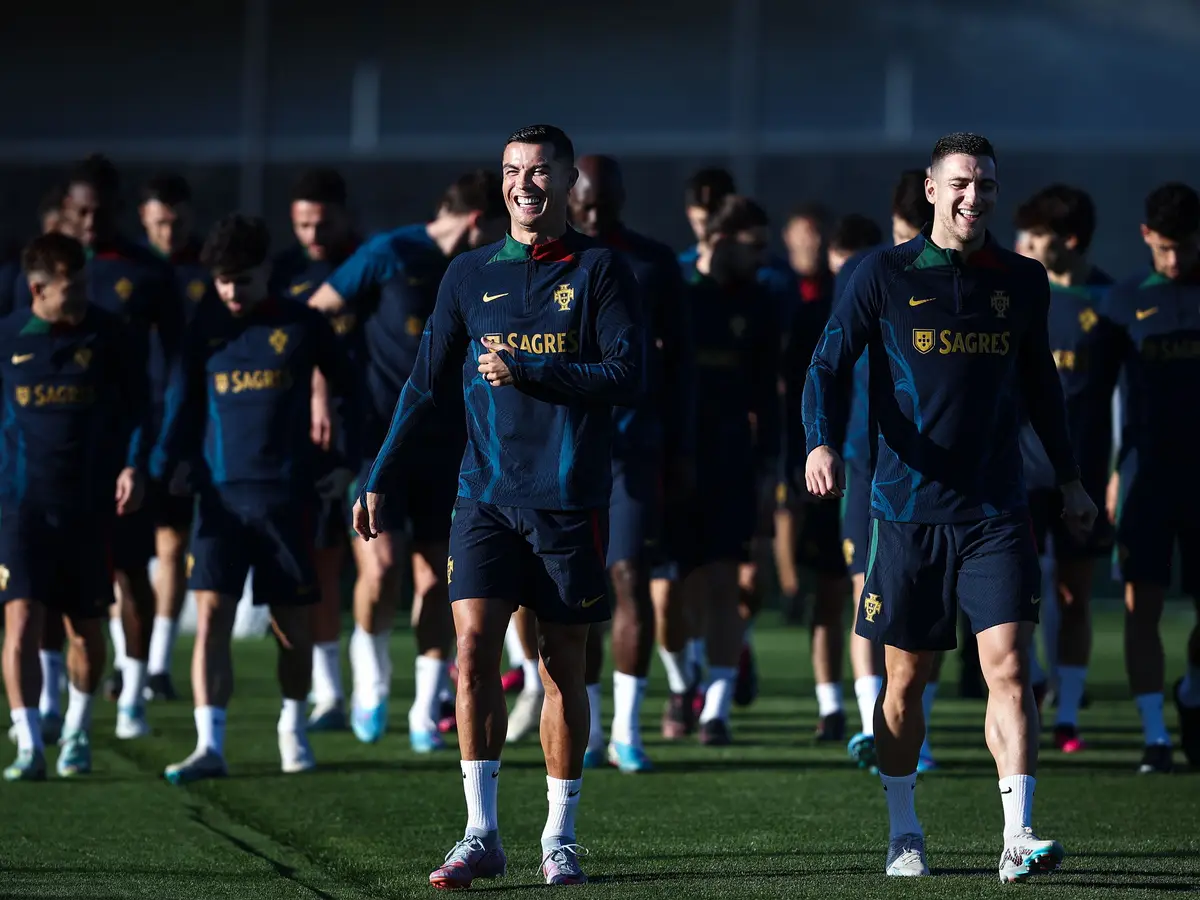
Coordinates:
(563, 649)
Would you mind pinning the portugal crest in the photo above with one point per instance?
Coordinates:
(195, 291)
(278, 340)
(923, 339)
(83, 357)
(23, 394)
(124, 289)
(1000, 304)
(564, 295)
(872, 606)
(1088, 319)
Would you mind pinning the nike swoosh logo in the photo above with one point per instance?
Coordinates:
(298, 289)
(1037, 600)
(1007, 791)
(17, 360)
(1146, 313)
(572, 794)
(586, 603)
(488, 298)
(913, 301)
(495, 774)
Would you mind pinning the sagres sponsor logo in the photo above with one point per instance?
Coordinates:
(872, 605)
(996, 343)
(57, 394)
(546, 343)
(923, 339)
(239, 381)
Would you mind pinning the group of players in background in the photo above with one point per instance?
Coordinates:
(237, 443)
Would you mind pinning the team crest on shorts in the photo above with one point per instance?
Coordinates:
(848, 551)
(564, 294)
(188, 565)
(449, 569)
(923, 339)
(872, 606)
(1000, 304)
(4, 576)
(278, 340)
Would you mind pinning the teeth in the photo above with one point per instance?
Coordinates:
(528, 201)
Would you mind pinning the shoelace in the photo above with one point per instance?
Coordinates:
(559, 857)
(466, 846)
(910, 851)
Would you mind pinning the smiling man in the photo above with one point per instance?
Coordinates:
(955, 328)
(541, 329)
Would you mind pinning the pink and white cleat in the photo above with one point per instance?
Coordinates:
(560, 865)
(469, 859)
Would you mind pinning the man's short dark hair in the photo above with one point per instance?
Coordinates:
(707, 188)
(854, 233)
(1061, 210)
(963, 142)
(99, 173)
(817, 213)
(1173, 211)
(736, 213)
(52, 201)
(168, 188)
(909, 202)
(564, 150)
(321, 185)
(236, 243)
(47, 252)
(480, 190)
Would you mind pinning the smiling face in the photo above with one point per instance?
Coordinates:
(963, 192)
(537, 187)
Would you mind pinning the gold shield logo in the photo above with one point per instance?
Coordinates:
(23, 395)
(221, 382)
(343, 324)
(563, 295)
(124, 288)
(923, 339)
(1000, 304)
(1088, 319)
(449, 569)
(278, 340)
(871, 606)
(195, 291)
(4, 576)
(413, 326)
(737, 326)
(848, 550)
(83, 357)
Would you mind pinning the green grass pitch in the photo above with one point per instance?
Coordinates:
(772, 816)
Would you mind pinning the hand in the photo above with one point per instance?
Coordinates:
(1112, 497)
(823, 473)
(335, 484)
(492, 366)
(180, 483)
(321, 429)
(130, 490)
(1079, 512)
(366, 518)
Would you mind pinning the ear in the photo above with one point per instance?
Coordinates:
(930, 188)
(1071, 242)
(572, 178)
(1146, 232)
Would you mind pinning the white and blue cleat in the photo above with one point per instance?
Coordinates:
(926, 763)
(1027, 855)
(594, 758)
(369, 725)
(131, 723)
(629, 759)
(331, 717)
(862, 750)
(202, 764)
(426, 741)
(29, 765)
(75, 755)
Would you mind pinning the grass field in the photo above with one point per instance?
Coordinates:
(772, 816)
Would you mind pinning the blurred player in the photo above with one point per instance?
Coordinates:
(390, 285)
(650, 449)
(956, 329)
(1160, 317)
(75, 398)
(705, 191)
(736, 338)
(324, 240)
(540, 330)
(1058, 223)
(240, 397)
(167, 219)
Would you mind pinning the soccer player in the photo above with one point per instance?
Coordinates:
(240, 396)
(650, 448)
(1058, 222)
(702, 195)
(75, 392)
(324, 240)
(167, 218)
(1160, 316)
(955, 327)
(390, 284)
(541, 329)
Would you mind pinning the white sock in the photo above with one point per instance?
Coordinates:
(133, 682)
(327, 674)
(560, 822)
(719, 696)
(533, 678)
(479, 784)
(1071, 680)
(698, 657)
(628, 691)
(291, 717)
(595, 725)
(382, 644)
(829, 699)
(53, 669)
(866, 691)
(162, 642)
(210, 729)
(423, 716)
(1189, 691)
(29, 729)
(79, 711)
(902, 809)
(364, 668)
(116, 632)
(1154, 726)
(1016, 796)
(512, 645)
(927, 697)
(675, 663)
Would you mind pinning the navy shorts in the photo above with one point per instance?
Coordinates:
(634, 511)
(330, 515)
(56, 558)
(169, 510)
(673, 557)
(235, 533)
(1154, 515)
(133, 540)
(552, 562)
(1045, 510)
(919, 576)
(856, 521)
(768, 504)
(818, 537)
(421, 503)
(722, 519)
